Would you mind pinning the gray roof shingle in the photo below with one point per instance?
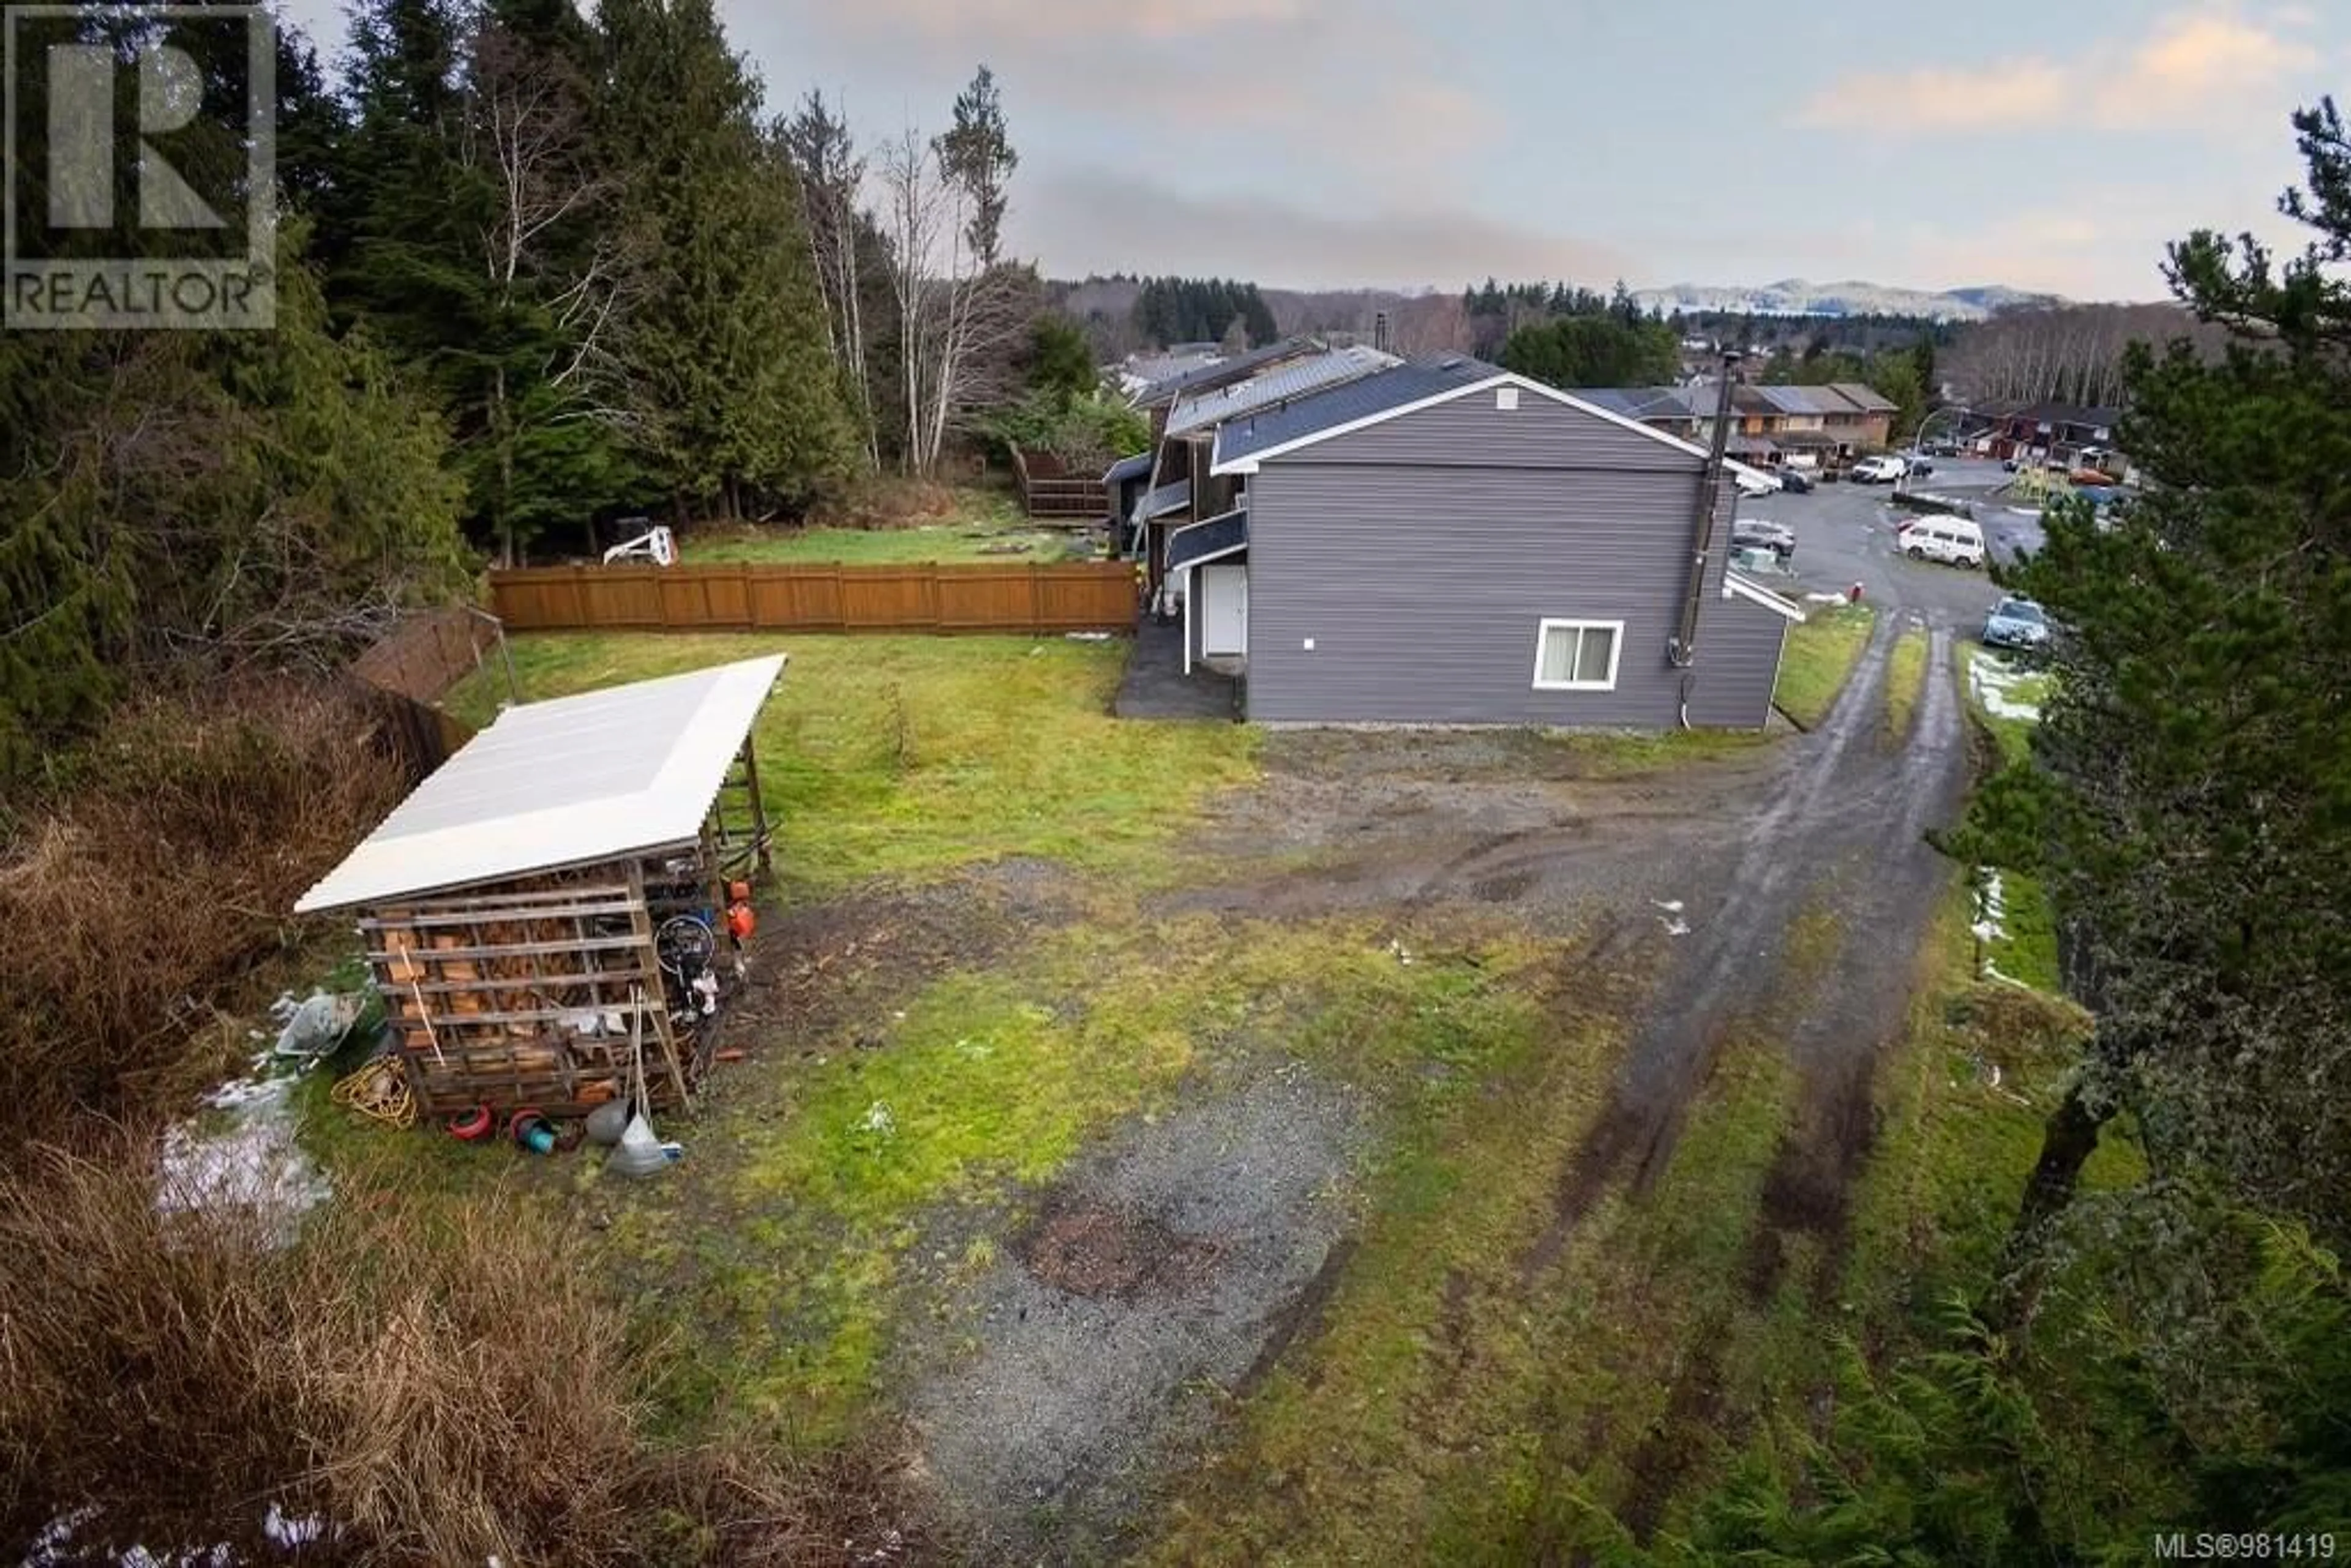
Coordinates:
(1361, 397)
(1869, 400)
(1215, 406)
(1224, 371)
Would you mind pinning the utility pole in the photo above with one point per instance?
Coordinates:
(1683, 651)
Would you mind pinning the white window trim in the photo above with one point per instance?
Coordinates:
(1615, 653)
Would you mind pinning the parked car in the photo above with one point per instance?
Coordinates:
(1759, 533)
(1955, 541)
(1876, 471)
(1796, 481)
(1917, 465)
(2015, 623)
(1755, 482)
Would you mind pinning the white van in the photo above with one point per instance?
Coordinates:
(1954, 541)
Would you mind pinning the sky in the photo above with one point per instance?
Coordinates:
(1398, 143)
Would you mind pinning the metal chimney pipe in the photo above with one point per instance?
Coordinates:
(1683, 651)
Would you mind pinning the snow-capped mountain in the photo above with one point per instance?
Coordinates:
(1795, 297)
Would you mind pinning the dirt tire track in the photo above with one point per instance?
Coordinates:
(1809, 1186)
(1844, 801)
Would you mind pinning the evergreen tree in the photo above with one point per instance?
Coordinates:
(2195, 759)
(1060, 364)
(1592, 350)
(482, 249)
(1923, 367)
(185, 501)
(726, 350)
(977, 152)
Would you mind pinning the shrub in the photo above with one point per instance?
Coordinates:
(432, 1388)
(163, 859)
(1087, 433)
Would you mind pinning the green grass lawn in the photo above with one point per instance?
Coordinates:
(906, 755)
(1819, 656)
(983, 526)
(1906, 680)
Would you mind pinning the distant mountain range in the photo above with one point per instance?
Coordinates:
(1794, 296)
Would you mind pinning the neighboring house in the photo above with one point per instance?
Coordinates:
(1806, 425)
(1687, 412)
(1137, 373)
(1182, 487)
(1864, 419)
(1124, 482)
(1796, 408)
(1841, 419)
(1443, 542)
(1221, 369)
(2069, 434)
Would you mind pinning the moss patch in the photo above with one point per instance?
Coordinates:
(1819, 657)
(822, 1203)
(1906, 682)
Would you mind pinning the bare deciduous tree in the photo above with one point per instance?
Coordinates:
(2072, 354)
(955, 313)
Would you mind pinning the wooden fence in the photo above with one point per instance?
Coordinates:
(431, 651)
(1073, 596)
(407, 672)
(1047, 490)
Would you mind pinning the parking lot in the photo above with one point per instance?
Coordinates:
(1846, 534)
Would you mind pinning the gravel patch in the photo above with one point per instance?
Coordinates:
(1157, 1273)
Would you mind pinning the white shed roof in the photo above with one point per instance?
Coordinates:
(562, 783)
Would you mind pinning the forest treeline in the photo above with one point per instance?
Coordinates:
(538, 271)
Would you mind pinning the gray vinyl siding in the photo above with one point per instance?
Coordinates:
(1470, 431)
(1739, 645)
(1424, 584)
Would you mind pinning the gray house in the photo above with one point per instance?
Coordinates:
(1444, 542)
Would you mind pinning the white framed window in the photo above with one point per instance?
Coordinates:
(1577, 655)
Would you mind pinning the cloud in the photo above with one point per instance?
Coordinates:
(1091, 220)
(1351, 88)
(2021, 92)
(2206, 62)
(2194, 68)
(1017, 25)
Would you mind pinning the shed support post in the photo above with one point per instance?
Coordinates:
(758, 806)
(657, 1003)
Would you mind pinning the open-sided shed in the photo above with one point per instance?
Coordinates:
(561, 886)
